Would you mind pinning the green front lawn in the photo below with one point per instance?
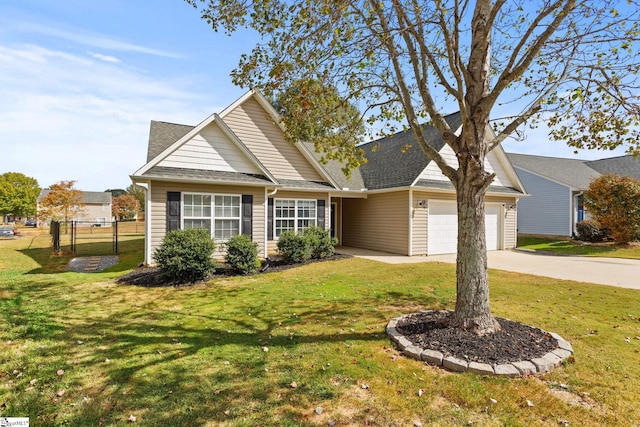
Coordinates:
(573, 247)
(300, 347)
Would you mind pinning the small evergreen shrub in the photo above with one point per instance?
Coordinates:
(293, 248)
(242, 254)
(185, 255)
(321, 244)
(589, 231)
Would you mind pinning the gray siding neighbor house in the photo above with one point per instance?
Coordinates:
(556, 187)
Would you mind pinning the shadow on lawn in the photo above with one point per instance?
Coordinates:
(193, 374)
(197, 364)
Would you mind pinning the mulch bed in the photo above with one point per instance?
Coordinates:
(516, 341)
(152, 277)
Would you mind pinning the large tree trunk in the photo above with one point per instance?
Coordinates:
(472, 311)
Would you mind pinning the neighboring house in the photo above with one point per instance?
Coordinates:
(95, 208)
(557, 187)
(235, 173)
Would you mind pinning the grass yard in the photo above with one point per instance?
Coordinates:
(573, 247)
(302, 347)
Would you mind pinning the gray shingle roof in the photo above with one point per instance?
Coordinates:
(292, 184)
(88, 197)
(388, 166)
(334, 169)
(163, 172)
(162, 135)
(571, 172)
(623, 165)
(446, 185)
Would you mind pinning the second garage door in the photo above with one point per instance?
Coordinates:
(442, 227)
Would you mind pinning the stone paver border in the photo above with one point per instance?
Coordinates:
(520, 368)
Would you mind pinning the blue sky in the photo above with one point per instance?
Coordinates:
(81, 80)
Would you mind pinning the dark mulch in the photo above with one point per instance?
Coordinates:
(152, 277)
(516, 341)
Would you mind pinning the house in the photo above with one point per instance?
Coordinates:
(94, 208)
(557, 187)
(235, 173)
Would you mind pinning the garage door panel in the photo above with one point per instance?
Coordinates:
(442, 227)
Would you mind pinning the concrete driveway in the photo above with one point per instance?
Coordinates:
(624, 273)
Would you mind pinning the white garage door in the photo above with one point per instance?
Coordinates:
(443, 227)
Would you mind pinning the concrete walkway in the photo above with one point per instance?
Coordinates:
(624, 273)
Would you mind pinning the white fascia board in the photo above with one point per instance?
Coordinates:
(506, 163)
(206, 181)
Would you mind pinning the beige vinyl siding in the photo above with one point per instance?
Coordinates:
(253, 126)
(379, 222)
(210, 149)
(419, 224)
(491, 165)
(158, 201)
(302, 195)
(509, 228)
(93, 213)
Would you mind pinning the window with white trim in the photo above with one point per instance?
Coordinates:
(294, 215)
(220, 214)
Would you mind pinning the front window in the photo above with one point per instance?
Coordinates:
(294, 215)
(205, 210)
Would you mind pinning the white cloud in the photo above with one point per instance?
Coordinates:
(105, 58)
(74, 117)
(93, 40)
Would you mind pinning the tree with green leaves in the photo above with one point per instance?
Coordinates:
(571, 63)
(18, 194)
(61, 202)
(614, 201)
(316, 112)
(137, 192)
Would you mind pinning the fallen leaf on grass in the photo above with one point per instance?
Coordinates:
(293, 384)
(131, 419)
(60, 393)
(60, 372)
(529, 403)
(420, 392)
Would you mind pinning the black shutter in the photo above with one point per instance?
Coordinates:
(321, 213)
(270, 219)
(247, 215)
(173, 210)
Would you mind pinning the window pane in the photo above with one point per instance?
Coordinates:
(226, 228)
(197, 223)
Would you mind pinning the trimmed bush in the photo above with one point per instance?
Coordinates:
(612, 200)
(589, 231)
(185, 255)
(242, 254)
(320, 242)
(293, 248)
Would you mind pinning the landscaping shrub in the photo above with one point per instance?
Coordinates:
(293, 248)
(321, 244)
(242, 254)
(185, 255)
(589, 231)
(613, 202)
